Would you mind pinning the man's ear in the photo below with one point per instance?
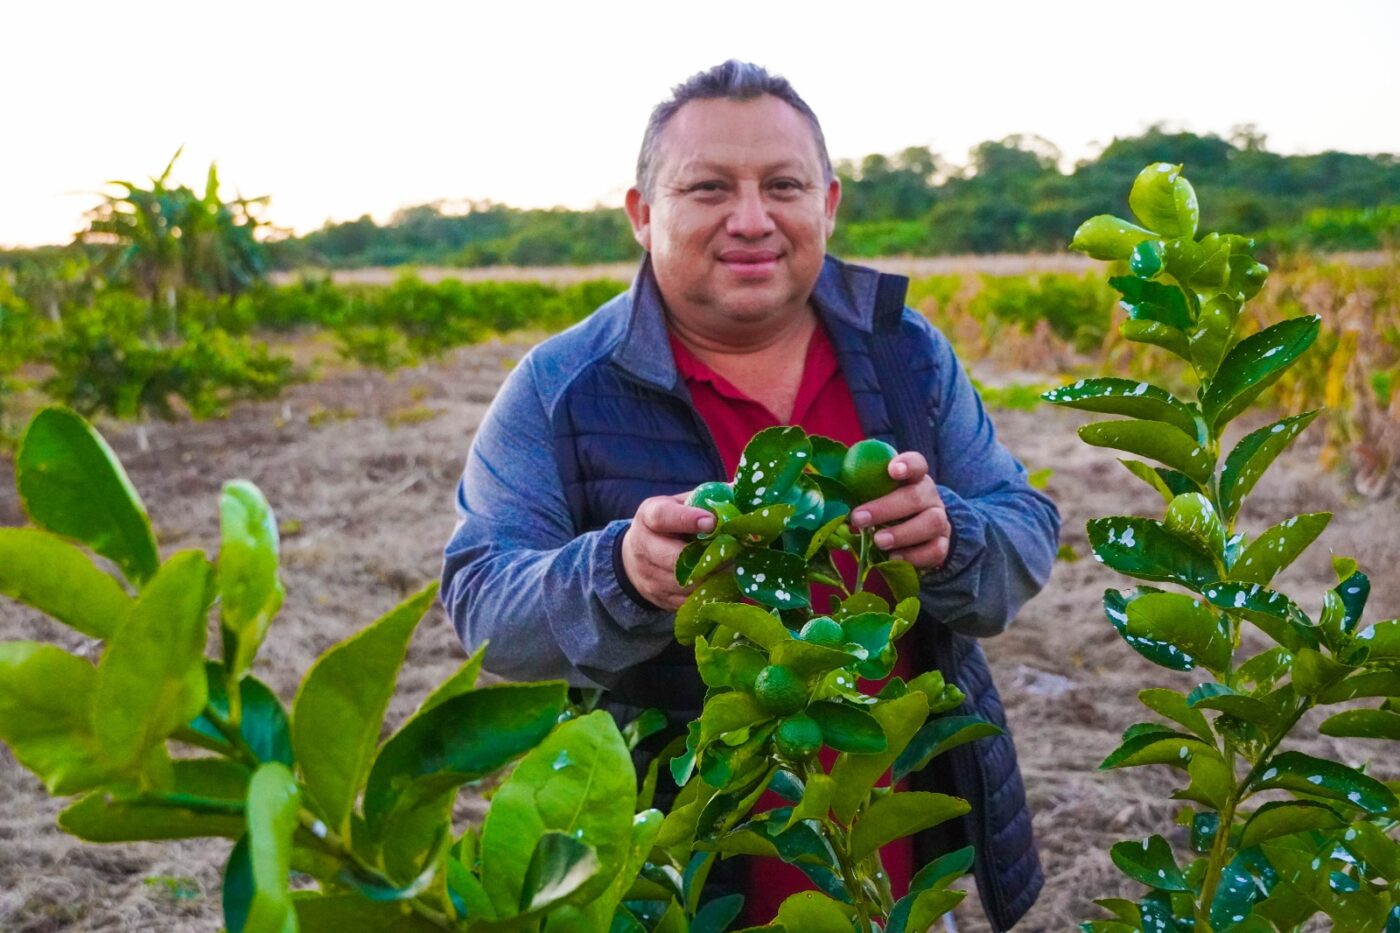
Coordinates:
(639, 213)
(833, 200)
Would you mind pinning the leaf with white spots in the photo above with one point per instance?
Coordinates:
(1153, 439)
(827, 456)
(1161, 653)
(1156, 745)
(1254, 364)
(1191, 625)
(1150, 862)
(1164, 201)
(1146, 549)
(1277, 547)
(690, 622)
(820, 536)
(1234, 898)
(1273, 612)
(773, 578)
(1159, 335)
(770, 464)
(717, 551)
(760, 526)
(1154, 302)
(1252, 456)
(1192, 516)
(1250, 709)
(1382, 640)
(1318, 777)
(1286, 817)
(1353, 593)
(1126, 397)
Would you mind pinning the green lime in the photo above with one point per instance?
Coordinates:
(707, 494)
(798, 737)
(866, 470)
(823, 630)
(779, 691)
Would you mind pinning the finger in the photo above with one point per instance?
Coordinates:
(914, 531)
(898, 505)
(929, 556)
(908, 467)
(664, 516)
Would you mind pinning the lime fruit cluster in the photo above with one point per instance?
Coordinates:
(798, 737)
(780, 691)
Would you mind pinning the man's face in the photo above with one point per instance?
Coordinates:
(740, 213)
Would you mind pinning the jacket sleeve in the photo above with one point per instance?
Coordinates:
(1005, 534)
(552, 602)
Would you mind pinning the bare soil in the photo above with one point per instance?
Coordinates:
(360, 468)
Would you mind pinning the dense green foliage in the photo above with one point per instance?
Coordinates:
(1276, 835)
(787, 677)
(1010, 197)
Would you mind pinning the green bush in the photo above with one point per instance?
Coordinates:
(1078, 309)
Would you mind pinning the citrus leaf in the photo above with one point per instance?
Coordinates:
(855, 775)
(45, 715)
(1185, 622)
(720, 549)
(1191, 516)
(769, 465)
(339, 709)
(250, 592)
(939, 736)
(1151, 863)
(1108, 237)
(1161, 335)
(773, 578)
(49, 574)
(1154, 303)
(1159, 652)
(1126, 397)
(847, 728)
(1278, 546)
(1234, 898)
(760, 526)
(559, 866)
(206, 799)
(72, 484)
(1363, 724)
(273, 798)
(1286, 817)
(1153, 439)
(1273, 612)
(720, 588)
(899, 815)
(1175, 707)
(755, 623)
(1253, 365)
(1252, 456)
(1319, 777)
(1382, 641)
(1165, 201)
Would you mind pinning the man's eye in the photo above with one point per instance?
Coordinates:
(706, 187)
(787, 186)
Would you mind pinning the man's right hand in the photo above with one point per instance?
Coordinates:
(662, 526)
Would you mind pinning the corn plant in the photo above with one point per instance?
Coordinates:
(784, 681)
(1278, 835)
(158, 741)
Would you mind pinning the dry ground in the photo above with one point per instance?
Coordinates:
(360, 469)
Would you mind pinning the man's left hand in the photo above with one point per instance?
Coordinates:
(912, 522)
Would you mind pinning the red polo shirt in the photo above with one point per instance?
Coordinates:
(823, 406)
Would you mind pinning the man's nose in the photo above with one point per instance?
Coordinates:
(750, 218)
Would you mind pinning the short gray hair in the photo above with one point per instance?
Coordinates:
(733, 80)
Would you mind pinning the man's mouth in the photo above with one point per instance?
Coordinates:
(749, 261)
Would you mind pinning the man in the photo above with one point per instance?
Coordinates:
(571, 506)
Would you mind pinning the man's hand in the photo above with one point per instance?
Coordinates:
(916, 527)
(662, 526)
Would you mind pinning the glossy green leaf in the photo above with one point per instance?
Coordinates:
(1154, 302)
(646, 826)
(721, 588)
(899, 815)
(1234, 898)
(1265, 669)
(1213, 333)
(1278, 546)
(49, 574)
(339, 708)
(1192, 516)
(1159, 652)
(900, 576)
(273, 799)
(263, 724)
(1285, 817)
(1272, 611)
(807, 502)
(1319, 777)
(720, 549)
(1363, 724)
(250, 592)
(1203, 265)
(769, 465)
(938, 736)
(773, 578)
(1164, 201)
(755, 623)
(1175, 707)
(727, 713)
(72, 484)
(854, 776)
(1193, 627)
(1382, 640)
(1150, 476)
(45, 715)
(461, 739)
(349, 912)
(1126, 397)
(1159, 746)
(559, 866)
(1248, 709)
(1148, 258)
(813, 912)
(1151, 863)
(578, 782)
(1108, 237)
(1353, 591)
(463, 680)
(808, 659)
(827, 456)
(1254, 364)
(1212, 781)
(759, 526)
(823, 533)
(151, 678)
(1252, 456)
(873, 631)
(1159, 335)
(1378, 683)
(1314, 673)
(206, 799)
(847, 728)
(1155, 440)
(1371, 844)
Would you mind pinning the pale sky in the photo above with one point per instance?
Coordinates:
(341, 109)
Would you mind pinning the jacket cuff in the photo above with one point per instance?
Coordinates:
(967, 537)
(625, 589)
